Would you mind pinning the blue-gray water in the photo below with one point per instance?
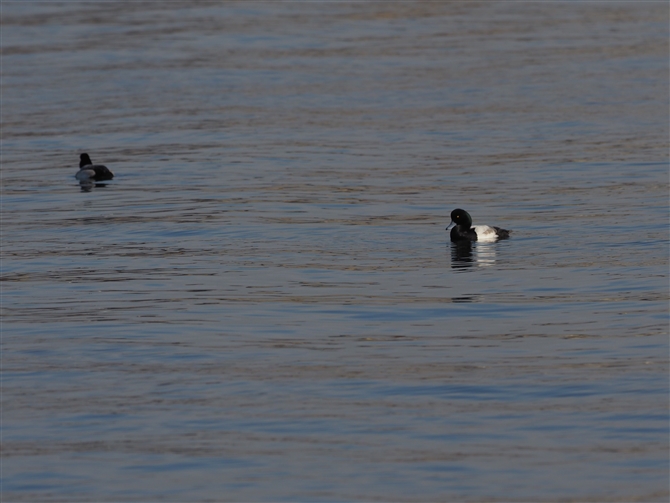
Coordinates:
(264, 305)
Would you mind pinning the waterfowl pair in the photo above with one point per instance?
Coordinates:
(463, 230)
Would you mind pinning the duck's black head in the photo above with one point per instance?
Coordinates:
(462, 218)
(84, 160)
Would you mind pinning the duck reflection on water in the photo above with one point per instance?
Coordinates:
(467, 254)
(88, 185)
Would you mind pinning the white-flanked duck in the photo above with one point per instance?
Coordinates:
(465, 231)
(90, 171)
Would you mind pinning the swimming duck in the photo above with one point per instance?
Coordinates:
(465, 231)
(90, 171)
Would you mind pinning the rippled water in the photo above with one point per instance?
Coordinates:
(264, 305)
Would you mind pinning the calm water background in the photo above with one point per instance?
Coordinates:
(263, 305)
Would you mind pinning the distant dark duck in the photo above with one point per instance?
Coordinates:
(465, 231)
(90, 171)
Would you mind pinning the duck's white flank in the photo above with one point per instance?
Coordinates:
(485, 233)
(85, 174)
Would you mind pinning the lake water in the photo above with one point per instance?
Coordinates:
(264, 305)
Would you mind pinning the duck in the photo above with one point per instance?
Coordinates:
(465, 231)
(90, 171)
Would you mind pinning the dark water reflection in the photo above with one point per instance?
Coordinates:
(264, 305)
(461, 255)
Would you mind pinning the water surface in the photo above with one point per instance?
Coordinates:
(263, 305)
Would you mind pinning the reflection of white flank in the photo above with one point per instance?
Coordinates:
(485, 254)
